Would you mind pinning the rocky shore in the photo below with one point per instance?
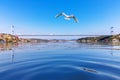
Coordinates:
(8, 38)
(114, 39)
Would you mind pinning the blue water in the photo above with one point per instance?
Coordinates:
(60, 61)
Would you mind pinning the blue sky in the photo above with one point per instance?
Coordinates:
(38, 16)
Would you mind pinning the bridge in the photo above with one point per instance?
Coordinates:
(63, 35)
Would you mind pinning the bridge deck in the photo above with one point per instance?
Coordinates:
(63, 35)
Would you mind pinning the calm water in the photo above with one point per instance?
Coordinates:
(60, 61)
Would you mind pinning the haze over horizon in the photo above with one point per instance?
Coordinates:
(38, 16)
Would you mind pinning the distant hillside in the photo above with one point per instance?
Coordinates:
(112, 38)
(8, 38)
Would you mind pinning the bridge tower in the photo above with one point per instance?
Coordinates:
(12, 29)
(111, 30)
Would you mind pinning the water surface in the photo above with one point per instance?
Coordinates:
(60, 61)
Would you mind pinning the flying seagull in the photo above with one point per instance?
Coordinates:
(67, 17)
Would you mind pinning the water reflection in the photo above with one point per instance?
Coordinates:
(54, 46)
(7, 46)
(104, 46)
(111, 50)
(60, 61)
(12, 55)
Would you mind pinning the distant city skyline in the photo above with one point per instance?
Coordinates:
(38, 16)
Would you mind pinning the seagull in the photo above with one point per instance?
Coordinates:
(67, 17)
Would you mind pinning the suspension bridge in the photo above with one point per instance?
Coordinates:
(64, 35)
(81, 35)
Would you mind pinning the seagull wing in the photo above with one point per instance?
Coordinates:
(61, 14)
(58, 15)
(76, 20)
(64, 14)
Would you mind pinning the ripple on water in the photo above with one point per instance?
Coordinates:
(60, 66)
